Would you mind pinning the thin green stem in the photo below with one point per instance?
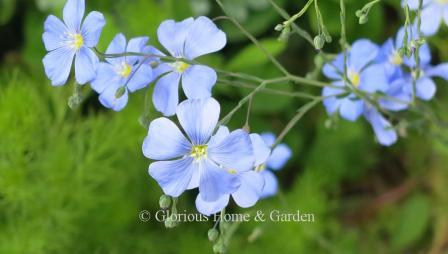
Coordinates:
(299, 14)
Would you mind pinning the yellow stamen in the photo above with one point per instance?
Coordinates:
(232, 171)
(396, 59)
(260, 168)
(180, 66)
(354, 78)
(442, 1)
(77, 41)
(125, 70)
(199, 152)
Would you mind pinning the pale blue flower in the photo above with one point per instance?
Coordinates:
(120, 75)
(72, 40)
(384, 131)
(434, 11)
(186, 40)
(363, 74)
(202, 160)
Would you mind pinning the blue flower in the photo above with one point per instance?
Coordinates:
(252, 182)
(186, 40)
(384, 131)
(73, 39)
(278, 158)
(434, 11)
(363, 74)
(120, 75)
(202, 160)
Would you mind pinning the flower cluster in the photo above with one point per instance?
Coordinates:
(379, 80)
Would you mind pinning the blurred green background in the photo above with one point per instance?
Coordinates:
(74, 181)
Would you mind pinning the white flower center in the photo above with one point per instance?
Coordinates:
(124, 70)
(76, 41)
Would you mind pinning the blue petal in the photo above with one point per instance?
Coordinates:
(172, 35)
(161, 68)
(234, 152)
(216, 182)
(203, 38)
(197, 81)
(374, 79)
(209, 208)
(109, 100)
(383, 129)
(219, 136)
(86, 64)
(165, 141)
(279, 157)
(386, 50)
(397, 97)
(269, 138)
(426, 88)
(334, 70)
(58, 64)
(73, 13)
(362, 52)
(92, 27)
(351, 109)
(270, 184)
(431, 19)
(117, 46)
(440, 71)
(260, 149)
(136, 45)
(198, 119)
(166, 94)
(173, 176)
(105, 76)
(413, 4)
(249, 192)
(331, 101)
(54, 33)
(140, 78)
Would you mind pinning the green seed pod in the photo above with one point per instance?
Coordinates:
(120, 91)
(219, 247)
(165, 201)
(213, 234)
(170, 223)
(363, 19)
(318, 42)
(279, 27)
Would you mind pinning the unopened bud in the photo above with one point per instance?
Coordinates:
(165, 201)
(279, 27)
(120, 91)
(318, 42)
(213, 234)
(74, 101)
(170, 222)
(219, 247)
(363, 19)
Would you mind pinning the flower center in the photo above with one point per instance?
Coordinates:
(442, 1)
(260, 168)
(76, 41)
(354, 77)
(125, 70)
(396, 59)
(180, 66)
(199, 152)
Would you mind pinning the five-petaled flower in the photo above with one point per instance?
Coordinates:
(122, 74)
(185, 41)
(202, 160)
(74, 39)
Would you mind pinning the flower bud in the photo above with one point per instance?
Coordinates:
(318, 42)
(165, 201)
(170, 222)
(213, 234)
(219, 247)
(120, 91)
(279, 27)
(74, 101)
(363, 19)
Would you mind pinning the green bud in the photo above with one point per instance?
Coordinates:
(319, 42)
(213, 234)
(170, 222)
(120, 91)
(284, 35)
(219, 247)
(74, 101)
(279, 27)
(363, 19)
(359, 13)
(165, 201)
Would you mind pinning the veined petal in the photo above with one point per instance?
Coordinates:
(109, 98)
(54, 33)
(172, 176)
(260, 149)
(374, 79)
(140, 78)
(440, 71)
(86, 63)
(362, 52)
(136, 45)
(203, 38)
(334, 70)
(73, 13)
(117, 46)
(197, 81)
(216, 181)
(166, 94)
(270, 184)
(279, 157)
(58, 64)
(234, 152)
(331, 101)
(250, 190)
(92, 27)
(383, 129)
(431, 19)
(172, 35)
(209, 208)
(219, 136)
(105, 76)
(351, 109)
(198, 118)
(165, 141)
